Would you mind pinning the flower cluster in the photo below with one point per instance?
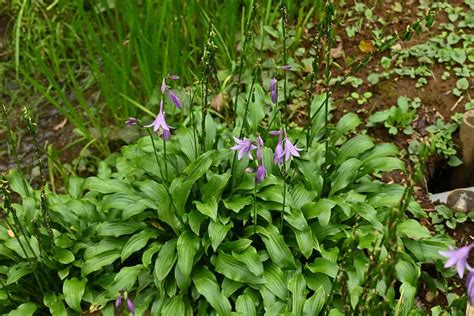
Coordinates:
(458, 258)
(285, 150)
(124, 296)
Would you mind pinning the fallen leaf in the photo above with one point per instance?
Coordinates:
(366, 46)
(60, 125)
(337, 52)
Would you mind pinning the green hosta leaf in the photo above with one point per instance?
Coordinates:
(353, 148)
(250, 258)
(237, 202)
(245, 305)
(208, 207)
(181, 186)
(236, 246)
(306, 241)
(346, 124)
(407, 272)
(300, 196)
(100, 260)
(256, 111)
(379, 151)
(297, 286)
(125, 279)
(406, 300)
(187, 246)
(107, 186)
(277, 249)
(25, 309)
(272, 194)
(175, 306)
(368, 213)
(210, 138)
(74, 187)
(217, 232)
(276, 281)
(412, 229)
(166, 259)
(17, 271)
(19, 185)
(187, 143)
(137, 242)
(296, 219)
(346, 173)
(383, 164)
(235, 270)
(315, 303)
(148, 254)
(63, 256)
(55, 305)
(315, 209)
(325, 266)
(118, 228)
(73, 290)
(215, 185)
(207, 286)
(195, 220)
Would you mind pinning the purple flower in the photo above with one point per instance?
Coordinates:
(290, 150)
(275, 133)
(118, 301)
(279, 153)
(458, 257)
(163, 86)
(130, 306)
(173, 77)
(274, 90)
(260, 174)
(470, 287)
(175, 99)
(285, 67)
(244, 146)
(160, 124)
(259, 148)
(131, 121)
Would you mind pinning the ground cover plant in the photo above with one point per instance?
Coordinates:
(246, 192)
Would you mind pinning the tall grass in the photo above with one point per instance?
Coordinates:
(119, 51)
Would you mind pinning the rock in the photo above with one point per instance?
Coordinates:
(461, 200)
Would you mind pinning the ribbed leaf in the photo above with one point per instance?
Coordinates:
(250, 258)
(297, 286)
(208, 207)
(353, 148)
(207, 286)
(276, 281)
(73, 290)
(276, 247)
(118, 228)
(370, 214)
(345, 175)
(315, 303)
(166, 259)
(217, 232)
(324, 266)
(137, 242)
(245, 305)
(235, 270)
(187, 246)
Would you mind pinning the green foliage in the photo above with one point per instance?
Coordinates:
(397, 117)
(194, 250)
